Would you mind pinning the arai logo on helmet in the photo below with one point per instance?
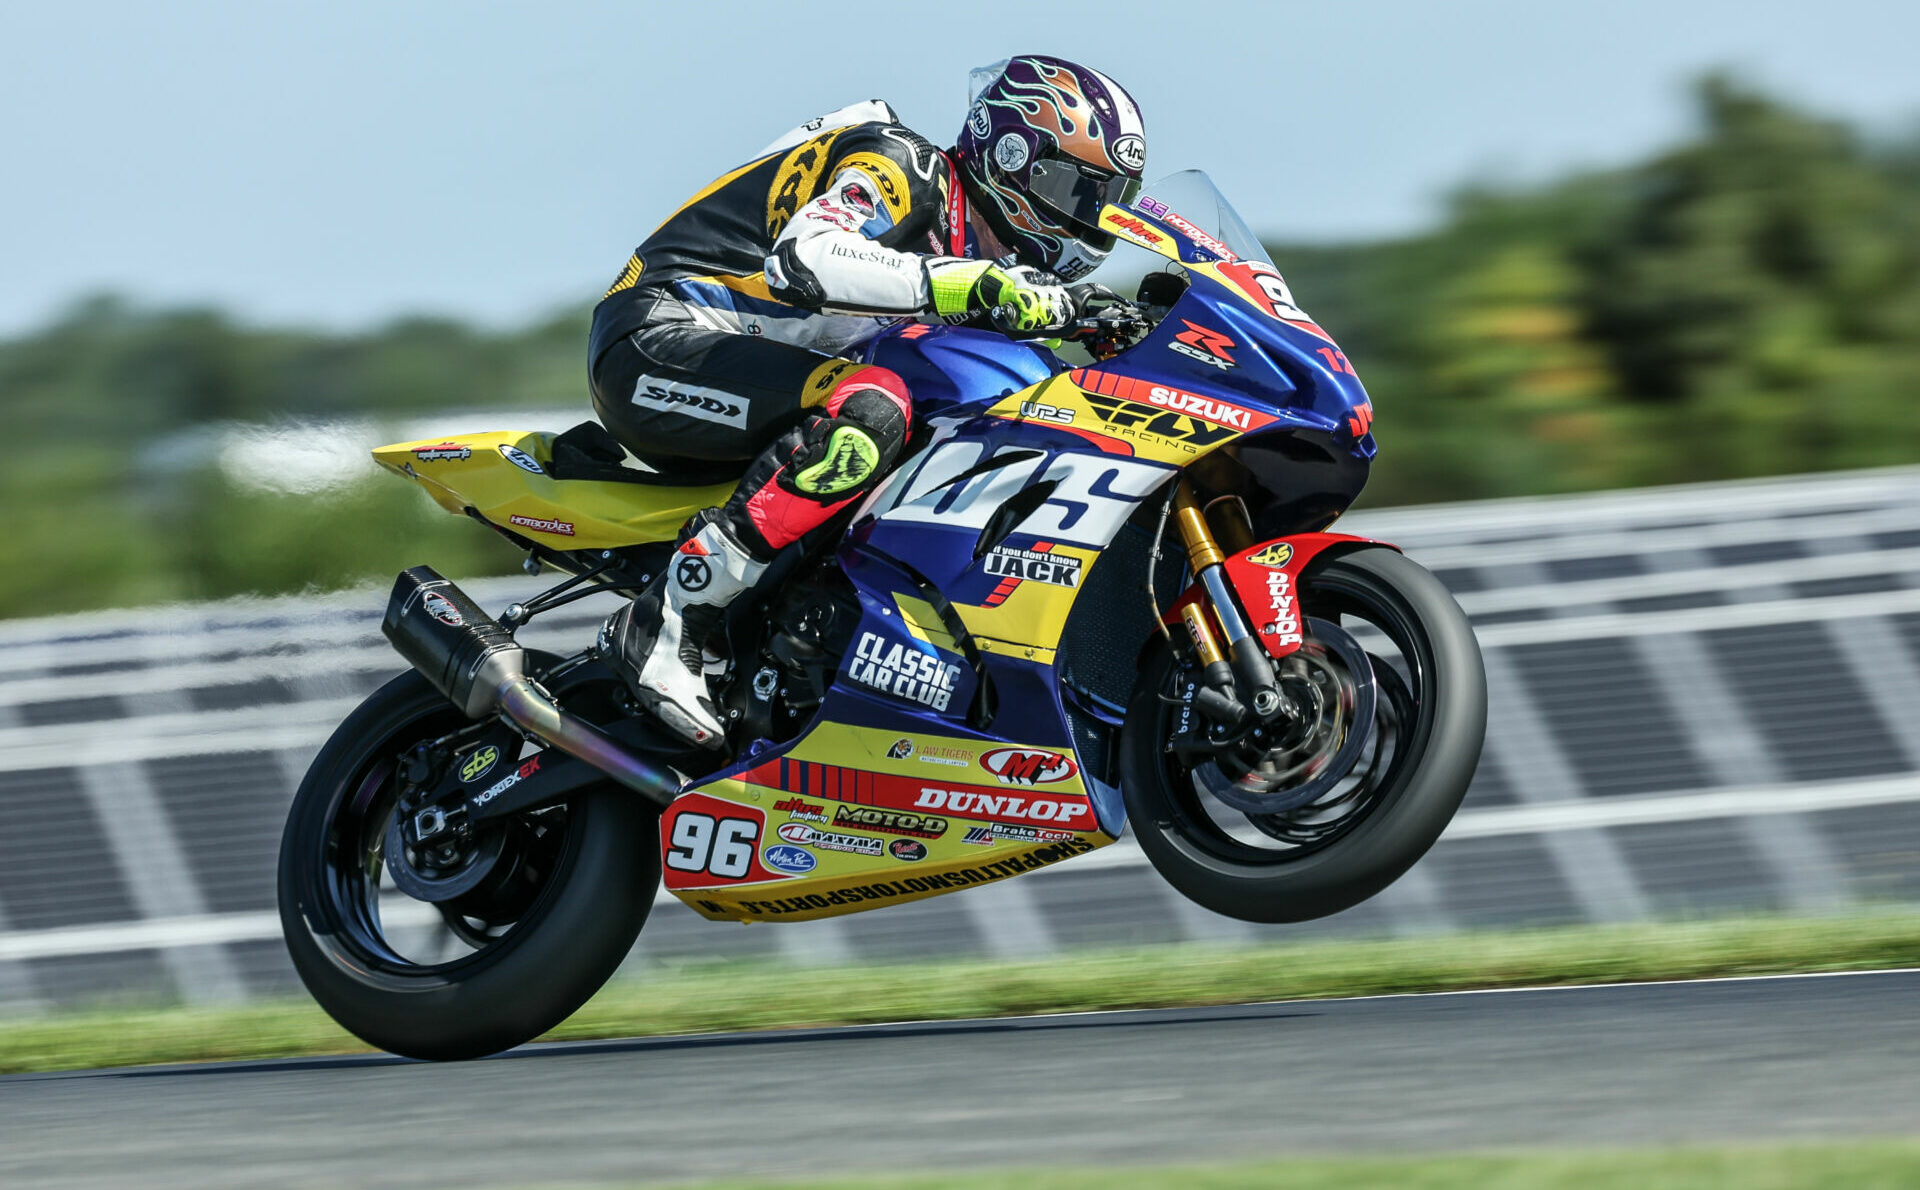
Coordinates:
(1027, 766)
(785, 857)
(1010, 152)
(980, 121)
(1131, 152)
(441, 608)
(521, 459)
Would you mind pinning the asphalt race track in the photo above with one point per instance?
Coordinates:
(1764, 1059)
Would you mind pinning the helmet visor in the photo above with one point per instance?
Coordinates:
(1073, 192)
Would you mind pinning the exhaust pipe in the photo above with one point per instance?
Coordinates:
(473, 660)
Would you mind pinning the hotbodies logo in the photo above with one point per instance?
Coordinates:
(902, 671)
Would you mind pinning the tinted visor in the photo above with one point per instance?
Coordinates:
(1073, 192)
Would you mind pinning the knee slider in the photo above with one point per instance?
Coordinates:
(880, 416)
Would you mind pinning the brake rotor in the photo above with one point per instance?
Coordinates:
(443, 872)
(1331, 682)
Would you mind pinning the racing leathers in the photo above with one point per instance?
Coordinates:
(719, 347)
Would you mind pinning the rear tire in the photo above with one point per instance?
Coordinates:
(1436, 716)
(601, 877)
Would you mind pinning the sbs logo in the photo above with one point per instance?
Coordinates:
(480, 763)
(1273, 557)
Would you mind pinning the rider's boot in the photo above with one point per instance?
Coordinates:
(655, 642)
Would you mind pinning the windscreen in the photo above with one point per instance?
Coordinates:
(1192, 196)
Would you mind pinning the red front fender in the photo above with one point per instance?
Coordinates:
(1266, 577)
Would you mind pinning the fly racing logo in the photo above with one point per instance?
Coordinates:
(1061, 570)
(1185, 429)
(704, 405)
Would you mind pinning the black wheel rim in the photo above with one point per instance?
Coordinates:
(1402, 661)
(366, 923)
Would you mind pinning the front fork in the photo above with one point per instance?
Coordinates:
(1243, 663)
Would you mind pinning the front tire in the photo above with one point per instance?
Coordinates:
(1361, 835)
(588, 872)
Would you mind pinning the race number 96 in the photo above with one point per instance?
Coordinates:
(718, 846)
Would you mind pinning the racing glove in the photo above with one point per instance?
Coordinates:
(1014, 300)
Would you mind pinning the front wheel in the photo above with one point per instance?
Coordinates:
(527, 918)
(1393, 640)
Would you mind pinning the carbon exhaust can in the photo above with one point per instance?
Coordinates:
(443, 633)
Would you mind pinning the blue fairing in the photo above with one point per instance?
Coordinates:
(919, 540)
(949, 367)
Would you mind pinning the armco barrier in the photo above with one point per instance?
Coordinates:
(1704, 699)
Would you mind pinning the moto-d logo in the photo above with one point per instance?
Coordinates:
(902, 671)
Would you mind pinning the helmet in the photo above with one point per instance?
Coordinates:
(1046, 145)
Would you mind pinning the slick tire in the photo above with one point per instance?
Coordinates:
(580, 927)
(1411, 807)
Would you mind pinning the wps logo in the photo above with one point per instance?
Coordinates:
(1207, 346)
(1027, 766)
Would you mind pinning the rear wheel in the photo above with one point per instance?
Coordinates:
(1320, 817)
(528, 918)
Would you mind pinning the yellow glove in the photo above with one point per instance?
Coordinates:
(1009, 297)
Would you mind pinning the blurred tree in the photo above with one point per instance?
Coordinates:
(1745, 303)
(1761, 284)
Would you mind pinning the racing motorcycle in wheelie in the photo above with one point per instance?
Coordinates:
(1088, 598)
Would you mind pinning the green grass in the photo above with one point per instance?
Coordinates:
(727, 997)
(1874, 1165)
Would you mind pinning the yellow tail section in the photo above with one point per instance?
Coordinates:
(504, 476)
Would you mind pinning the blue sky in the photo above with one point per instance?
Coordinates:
(337, 164)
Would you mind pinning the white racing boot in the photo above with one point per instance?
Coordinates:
(655, 642)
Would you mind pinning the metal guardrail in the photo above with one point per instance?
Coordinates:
(1704, 699)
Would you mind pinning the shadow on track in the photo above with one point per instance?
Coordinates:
(1119, 1019)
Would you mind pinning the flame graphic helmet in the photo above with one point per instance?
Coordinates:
(1048, 143)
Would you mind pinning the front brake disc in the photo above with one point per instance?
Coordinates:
(1266, 784)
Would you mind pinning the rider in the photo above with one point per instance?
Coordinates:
(720, 345)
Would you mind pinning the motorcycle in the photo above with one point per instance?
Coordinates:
(998, 661)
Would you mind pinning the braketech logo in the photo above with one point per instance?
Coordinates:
(1027, 766)
(1207, 346)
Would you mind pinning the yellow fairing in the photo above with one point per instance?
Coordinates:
(477, 471)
